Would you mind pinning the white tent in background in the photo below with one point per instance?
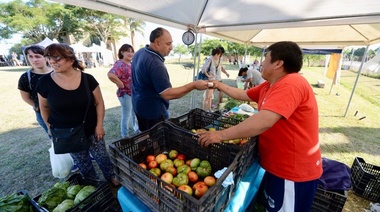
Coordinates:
(46, 42)
(372, 66)
(80, 48)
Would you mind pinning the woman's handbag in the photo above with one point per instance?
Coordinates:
(66, 140)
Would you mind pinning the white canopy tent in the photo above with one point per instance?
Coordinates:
(310, 23)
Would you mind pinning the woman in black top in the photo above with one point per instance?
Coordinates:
(63, 103)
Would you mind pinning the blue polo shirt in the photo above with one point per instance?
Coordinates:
(149, 78)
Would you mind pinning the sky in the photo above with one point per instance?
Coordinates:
(5, 45)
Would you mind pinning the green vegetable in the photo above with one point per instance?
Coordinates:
(204, 169)
(63, 185)
(15, 202)
(73, 190)
(64, 206)
(231, 104)
(52, 197)
(83, 193)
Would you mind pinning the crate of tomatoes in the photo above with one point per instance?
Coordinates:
(167, 170)
(198, 120)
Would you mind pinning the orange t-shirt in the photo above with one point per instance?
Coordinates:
(290, 148)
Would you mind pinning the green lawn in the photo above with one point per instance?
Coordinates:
(24, 146)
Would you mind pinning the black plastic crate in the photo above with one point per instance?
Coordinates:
(156, 194)
(198, 118)
(329, 201)
(101, 199)
(365, 179)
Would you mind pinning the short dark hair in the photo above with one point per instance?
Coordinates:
(156, 33)
(221, 49)
(124, 48)
(216, 51)
(36, 49)
(289, 52)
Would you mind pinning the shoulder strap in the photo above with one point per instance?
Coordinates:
(209, 66)
(29, 73)
(88, 95)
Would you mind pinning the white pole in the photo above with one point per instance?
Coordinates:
(357, 79)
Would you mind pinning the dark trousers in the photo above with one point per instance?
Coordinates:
(146, 124)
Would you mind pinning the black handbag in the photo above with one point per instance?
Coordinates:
(67, 140)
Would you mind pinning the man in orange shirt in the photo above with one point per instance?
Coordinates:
(287, 126)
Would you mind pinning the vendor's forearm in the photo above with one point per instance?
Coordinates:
(233, 92)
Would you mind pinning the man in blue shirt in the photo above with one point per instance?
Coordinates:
(152, 90)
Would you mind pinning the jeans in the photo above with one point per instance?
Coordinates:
(41, 122)
(127, 114)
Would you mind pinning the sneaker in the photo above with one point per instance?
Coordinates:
(75, 168)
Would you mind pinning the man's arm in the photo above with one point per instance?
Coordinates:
(233, 92)
(253, 126)
(178, 92)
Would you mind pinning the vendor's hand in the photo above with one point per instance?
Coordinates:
(228, 75)
(209, 137)
(99, 132)
(120, 85)
(201, 85)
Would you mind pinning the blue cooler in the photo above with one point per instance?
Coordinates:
(129, 202)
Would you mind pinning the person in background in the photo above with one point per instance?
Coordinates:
(254, 78)
(15, 61)
(209, 68)
(28, 82)
(151, 87)
(121, 75)
(63, 102)
(287, 127)
(240, 79)
(218, 75)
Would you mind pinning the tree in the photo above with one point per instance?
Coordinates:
(135, 25)
(180, 49)
(36, 20)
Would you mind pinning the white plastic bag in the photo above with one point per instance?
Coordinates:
(61, 164)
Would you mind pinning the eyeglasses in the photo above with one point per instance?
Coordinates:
(55, 58)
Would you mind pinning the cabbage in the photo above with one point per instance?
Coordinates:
(73, 190)
(63, 185)
(64, 206)
(83, 193)
(52, 197)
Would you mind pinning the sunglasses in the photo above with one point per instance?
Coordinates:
(55, 58)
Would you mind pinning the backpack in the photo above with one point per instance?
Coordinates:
(201, 75)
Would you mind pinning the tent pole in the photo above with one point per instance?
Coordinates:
(196, 65)
(357, 79)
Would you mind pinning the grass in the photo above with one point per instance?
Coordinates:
(24, 156)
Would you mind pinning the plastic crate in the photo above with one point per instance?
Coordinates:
(156, 194)
(101, 199)
(198, 118)
(328, 201)
(365, 180)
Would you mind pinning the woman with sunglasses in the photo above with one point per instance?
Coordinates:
(63, 100)
(28, 82)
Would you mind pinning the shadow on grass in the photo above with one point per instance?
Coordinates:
(25, 161)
